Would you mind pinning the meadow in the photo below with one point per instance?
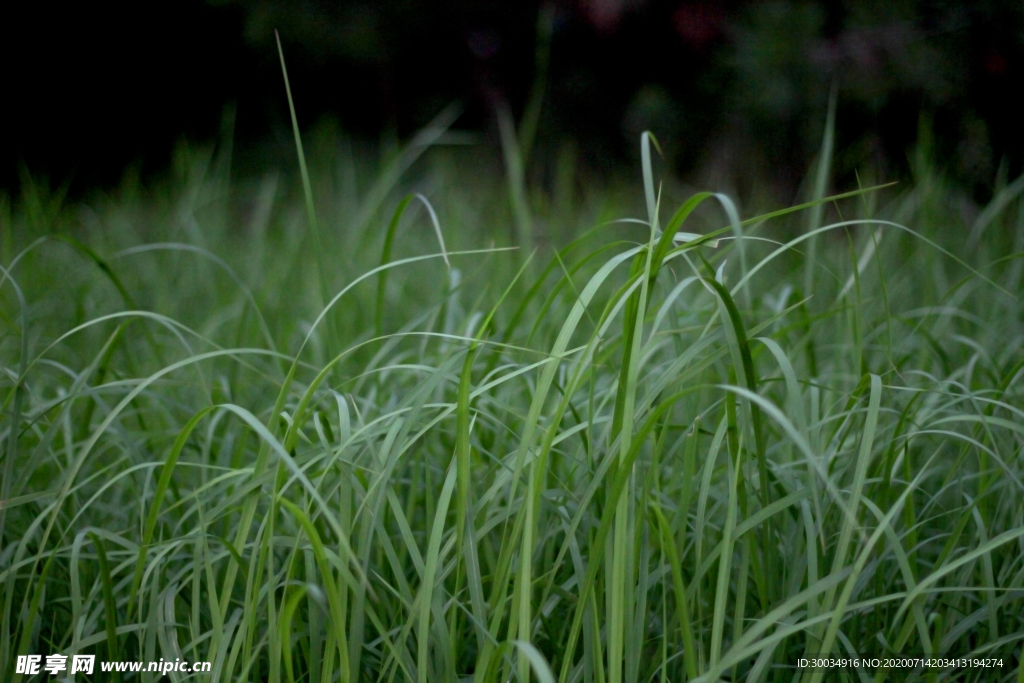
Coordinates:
(429, 420)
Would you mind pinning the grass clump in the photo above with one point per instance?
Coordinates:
(668, 450)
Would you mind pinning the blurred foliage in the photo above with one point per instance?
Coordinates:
(727, 85)
(736, 90)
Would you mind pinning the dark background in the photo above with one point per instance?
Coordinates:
(730, 88)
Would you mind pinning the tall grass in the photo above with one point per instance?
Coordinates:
(672, 449)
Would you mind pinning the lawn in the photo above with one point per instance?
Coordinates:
(338, 429)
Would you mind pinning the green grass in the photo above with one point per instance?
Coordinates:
(309, 450)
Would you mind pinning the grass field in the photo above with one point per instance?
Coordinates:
(305, 439)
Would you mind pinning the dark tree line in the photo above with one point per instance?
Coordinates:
(90, 88)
